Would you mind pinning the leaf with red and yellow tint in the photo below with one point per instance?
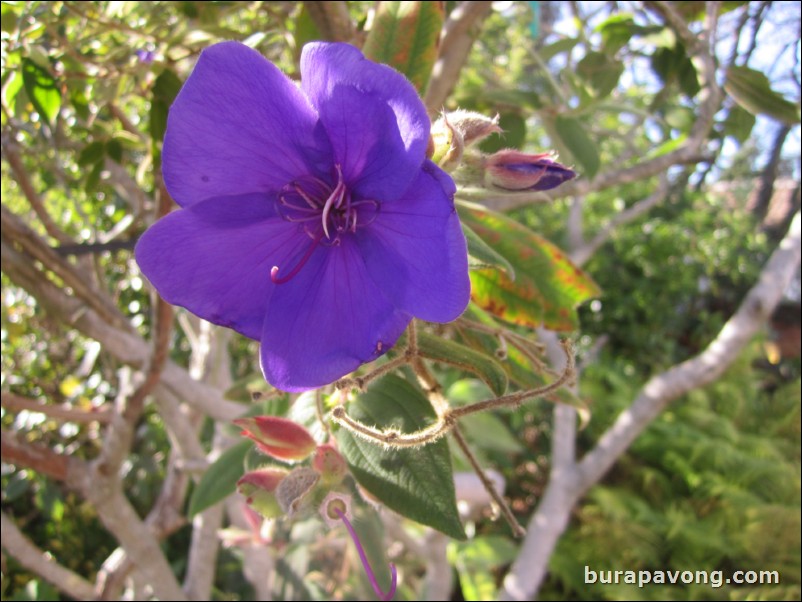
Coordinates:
(547, 286)
(405, 36)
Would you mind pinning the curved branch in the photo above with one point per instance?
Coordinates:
(572, 481)
(702, 369)
(41, 563)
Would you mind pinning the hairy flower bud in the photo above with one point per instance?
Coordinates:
(294, 489)
(278, 437)
(259, 487)
(330, 464)
(473, 126)
(514, 170)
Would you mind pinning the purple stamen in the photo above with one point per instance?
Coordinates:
(282, 279)
(393, 573)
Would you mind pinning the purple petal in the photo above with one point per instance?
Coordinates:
(364, 133)
(339, 75)
(215, 257)
(326, 321)
(238, 126)
(415, 250)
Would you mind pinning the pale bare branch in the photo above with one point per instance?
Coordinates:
(43, 564)
(459, 32)
(568, 484)
(63, 412)
(332, 20)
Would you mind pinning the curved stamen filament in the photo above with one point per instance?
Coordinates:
(276, 279)
(363, 557)
(335, 198)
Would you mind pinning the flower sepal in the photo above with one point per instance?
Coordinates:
(259, 488)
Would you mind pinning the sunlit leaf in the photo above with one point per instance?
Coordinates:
(42, 90)
(547, 286)
(752, 90)
(405, 36)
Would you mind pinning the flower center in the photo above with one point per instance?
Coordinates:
(325, 212)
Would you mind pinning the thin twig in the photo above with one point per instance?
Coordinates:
(34, 199)
(459, 32)
(506, 511)
(64, 412)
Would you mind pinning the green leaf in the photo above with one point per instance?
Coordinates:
(220, 479)
(673, 64)
(482, 255)
(575, 138)
(92, 153)
(305, 31)
(415, 482)
(476, 560)
(513, 136)
(563, 45)
(405, 36)
(165, 89)
(752, 90)
(739, 123)
(601, 72)
(616, 31)
(450, 352)
(42, 90)
(547, 287)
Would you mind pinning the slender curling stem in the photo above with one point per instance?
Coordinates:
(448, 418)
(393, 438)
(506, 511)
(363, 557)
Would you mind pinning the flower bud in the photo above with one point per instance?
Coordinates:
(278, 437)
(259, 487)
(329, 464)
(473, 126)
(294, 489)
(446, 143)
(514, 170)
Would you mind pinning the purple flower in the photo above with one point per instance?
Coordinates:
(310, 218)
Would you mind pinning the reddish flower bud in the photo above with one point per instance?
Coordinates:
(513, 170)
(259, 487)
(278, 437)
(330, 464)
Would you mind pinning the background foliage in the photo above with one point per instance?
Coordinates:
(714, 483)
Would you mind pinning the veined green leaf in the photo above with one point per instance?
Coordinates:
(547, 287)
(220, 479)
(752, 90)
(415, 482)
(450, 352)
(405, 36)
